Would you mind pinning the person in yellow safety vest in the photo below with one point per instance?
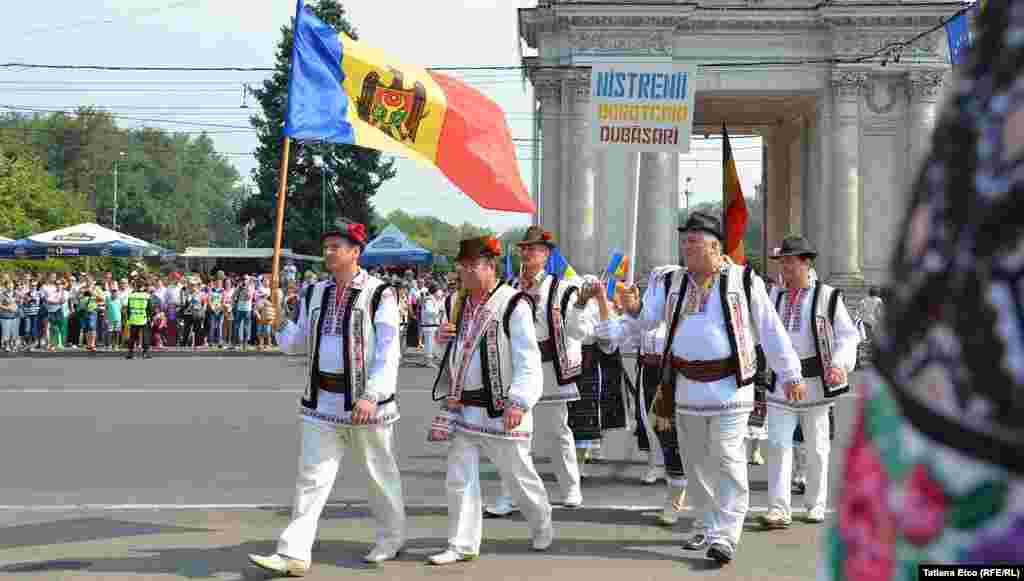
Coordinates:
(139, 311)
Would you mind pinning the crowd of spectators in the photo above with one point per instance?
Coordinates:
(89, 311)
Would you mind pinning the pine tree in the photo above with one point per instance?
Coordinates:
(353, 174)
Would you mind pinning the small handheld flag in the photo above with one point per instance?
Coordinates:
(618, 267)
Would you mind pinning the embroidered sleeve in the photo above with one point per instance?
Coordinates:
(652, 308)
(382, 375)
(292, 337)
(527, 373)
(778, 349)
(847, 337)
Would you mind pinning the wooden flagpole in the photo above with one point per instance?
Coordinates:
(282, 190)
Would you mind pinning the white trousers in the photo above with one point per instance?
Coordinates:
(551, 428)
(322, 451)
(465, 502)
(781, 423)
(715, 460)
(429, 347)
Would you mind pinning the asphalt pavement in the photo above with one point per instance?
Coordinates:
(176, 467)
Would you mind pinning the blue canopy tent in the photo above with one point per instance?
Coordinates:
(393, 248)
(82, 240)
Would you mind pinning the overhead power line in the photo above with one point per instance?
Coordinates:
(883, 51)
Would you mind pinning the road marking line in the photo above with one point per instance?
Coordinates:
(142, 507)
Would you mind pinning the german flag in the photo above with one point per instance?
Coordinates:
(735, 206)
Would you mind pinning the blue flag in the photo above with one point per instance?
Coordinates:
(317, 105)
(960, 32)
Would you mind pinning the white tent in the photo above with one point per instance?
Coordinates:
(90, 239)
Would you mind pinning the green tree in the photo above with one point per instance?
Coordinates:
(30, 202)
(353, 174)
(173, 189)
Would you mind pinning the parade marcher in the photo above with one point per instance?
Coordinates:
(563, 363)
(430, 310)
(491, 380)
(825, 338)
(651, 347)
(602, 405)
(349, 330)
(716, 312)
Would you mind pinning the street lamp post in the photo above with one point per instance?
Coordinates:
(120, 154)
(686, 194)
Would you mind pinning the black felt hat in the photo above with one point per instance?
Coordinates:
(795, 246)
(703, 222)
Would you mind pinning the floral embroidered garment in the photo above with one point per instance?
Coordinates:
(935, 470)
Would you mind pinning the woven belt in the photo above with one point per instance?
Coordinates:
(334, 383)
(651, 360)
(704, 371)
(476, 398)
(811, 367)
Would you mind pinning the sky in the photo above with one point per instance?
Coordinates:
(244, 33)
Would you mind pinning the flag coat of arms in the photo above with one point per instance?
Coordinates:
(343, 91)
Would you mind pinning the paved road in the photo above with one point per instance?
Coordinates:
(175, 467)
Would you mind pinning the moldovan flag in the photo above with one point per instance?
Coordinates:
(735, 205)
(341, 91)
(618, 267)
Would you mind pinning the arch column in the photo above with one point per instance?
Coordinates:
(847, 88)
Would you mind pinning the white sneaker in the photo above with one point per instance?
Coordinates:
(543, 539)
(380, 554)
(448, 557)
(280, 564)
(816, 515)
(653, 474)
(503, 507)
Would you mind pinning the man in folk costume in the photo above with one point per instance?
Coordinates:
(825, 337)
(491, 379)
(348, 328)
(717, 312)
(553, 297)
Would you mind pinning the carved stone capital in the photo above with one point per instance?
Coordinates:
(546, 88)
(848, 84)
(578, 84)
(924, 85)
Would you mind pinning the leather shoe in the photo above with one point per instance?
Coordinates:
(448, 557)
(380, 554)
(720, 552)
(697, 542)
(280, 564)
